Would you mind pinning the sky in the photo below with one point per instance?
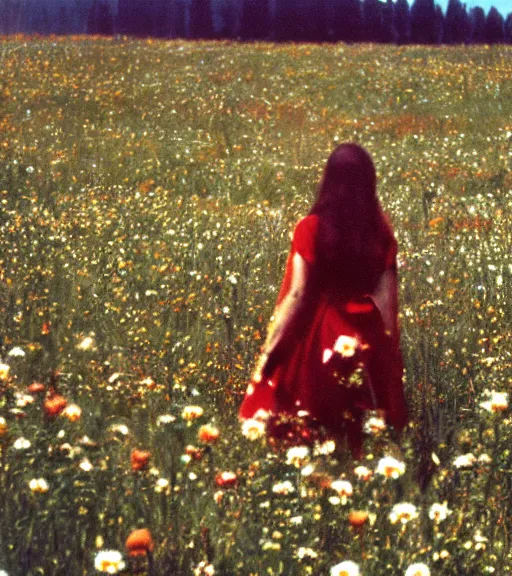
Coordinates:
(504, 7)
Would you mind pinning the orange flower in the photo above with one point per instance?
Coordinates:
(358, 518)
(54, 405)
(139, 542)
(208, 434)
(35, 388)
(140, 459)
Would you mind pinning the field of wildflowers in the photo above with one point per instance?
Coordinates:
(147, 193)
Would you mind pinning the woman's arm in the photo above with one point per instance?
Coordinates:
(386, 300)
(283, 317)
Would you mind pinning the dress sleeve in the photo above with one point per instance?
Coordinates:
(304, 238)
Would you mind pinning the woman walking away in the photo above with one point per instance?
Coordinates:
(332, 350)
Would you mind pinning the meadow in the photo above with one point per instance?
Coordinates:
(148, 190)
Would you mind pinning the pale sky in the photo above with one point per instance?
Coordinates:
(504, 7)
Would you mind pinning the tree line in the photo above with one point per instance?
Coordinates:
(422, 22)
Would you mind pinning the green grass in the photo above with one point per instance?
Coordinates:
(147, 194)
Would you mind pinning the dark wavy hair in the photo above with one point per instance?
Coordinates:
(353, 234)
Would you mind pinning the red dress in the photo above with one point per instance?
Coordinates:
(304, 381)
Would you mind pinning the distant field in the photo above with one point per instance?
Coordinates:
(147, 193)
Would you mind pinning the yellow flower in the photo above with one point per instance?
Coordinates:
(38, 485)
(4, 371)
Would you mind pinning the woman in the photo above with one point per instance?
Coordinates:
(332, 350)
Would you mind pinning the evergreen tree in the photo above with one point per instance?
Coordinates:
(438, 24)
(347, 21)
(494, 27)
(477, 18)
(423, 22)
(181, 28)
(255, 19)
(508, 29)
(455, 23)
(285, 20)
(314, 20)
(389, 33)
(372, 21)
(201, 20)
(401, 21)
(164, 18)
(100, 20)
(134, 18)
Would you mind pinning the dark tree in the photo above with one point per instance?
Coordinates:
(230, 21)
(372, 21)
(134, 18)
(164, 18)
(494, 27)
(201, 20)
(438, 25)
(181, 28)
(389, 34)
(314, 20)
(347, 21)
(508, 29)
(100, 19)
(401, 20)
(255, 20)
(285, 28)
(423, 22)
(477, 19)
(456, 23)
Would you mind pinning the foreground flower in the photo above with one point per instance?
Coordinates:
(36, 388)
(418, 569)
(86, 344)
(21, 444)
(38, 485)
(296, 455)
(374, 426)
(347, 568)
(390, 467)
(497, 402)
(139, 542)
(73, 412)
(163, 486)
(346, 346)
(164, 419)
(439, 512)
(403, 512)
(120, 428)
(17, 352)
(208, 434)
(226, 479)
(54, 405)
(363, 473)
(140, 459)
(343, 488)
(304, 552)
(192, 412)
(4, 371)
(3, 426)
(253, 429)
(283, 488)
(358, 518)
(85, 465)
(204, 569)
(109, 561)
(464, 461)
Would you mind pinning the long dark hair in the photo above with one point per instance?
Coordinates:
(353, 234)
